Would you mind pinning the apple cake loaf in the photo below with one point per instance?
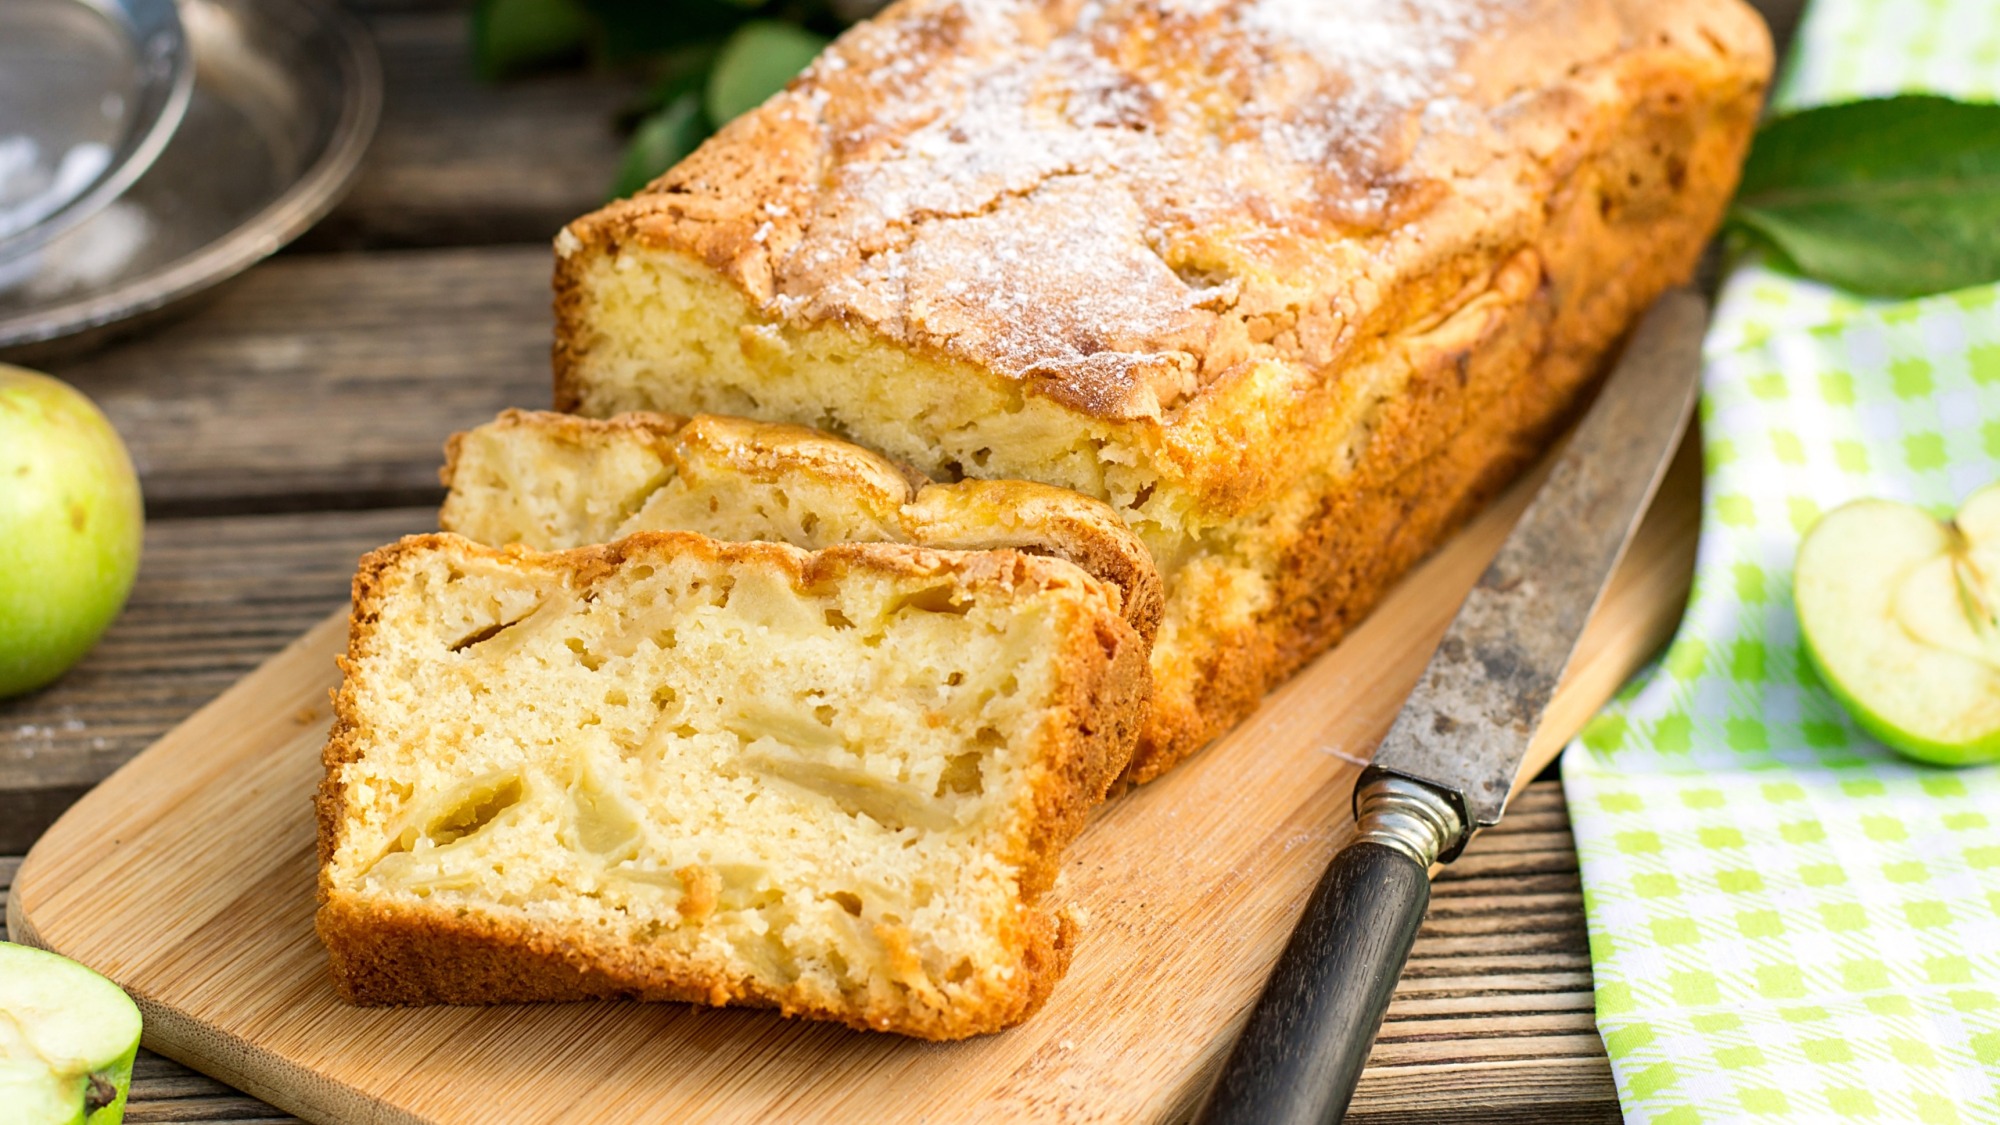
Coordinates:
(1293, 285)
(672, 768)
(554, 481)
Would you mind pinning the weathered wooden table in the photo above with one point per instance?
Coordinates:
(295, 421)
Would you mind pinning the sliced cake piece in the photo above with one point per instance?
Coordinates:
(673, 768)
(553, 481)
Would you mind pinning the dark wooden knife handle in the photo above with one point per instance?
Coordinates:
(1300, 1055)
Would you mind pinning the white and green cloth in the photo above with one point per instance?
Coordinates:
(1787, 921)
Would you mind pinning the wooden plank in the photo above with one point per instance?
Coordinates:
(1559, 1091)
(1493, 1019)
(215, 598)
(1568, 1082)
(458, 160)
(327, 381)
(1191, 884)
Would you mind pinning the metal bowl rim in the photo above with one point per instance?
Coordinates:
(307, 200)
(140, 149)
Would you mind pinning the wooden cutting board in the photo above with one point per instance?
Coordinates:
(187, 877)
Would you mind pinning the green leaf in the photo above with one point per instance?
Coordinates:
(660, 142)
(681, 70)
(684, 70)
(509, 36)
(1893, 197)
(755, 63)
(634, 29)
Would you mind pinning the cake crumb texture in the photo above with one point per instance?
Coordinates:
(672, 768)
(555, 481)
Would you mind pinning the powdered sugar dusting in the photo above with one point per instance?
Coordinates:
(1028, 182)
(1398, 58)
(1397, 53)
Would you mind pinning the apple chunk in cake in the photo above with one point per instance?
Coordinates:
(672, 768)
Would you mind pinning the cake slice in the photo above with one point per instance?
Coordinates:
(554, 481)
(1294, 286)
(673, 768)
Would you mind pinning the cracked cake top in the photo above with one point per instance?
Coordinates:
(1121, 203)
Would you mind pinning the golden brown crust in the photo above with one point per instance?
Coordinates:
(1476, 412)
(1611, 136)
(384, 951)
(970, 515)
(972, 216)
(384, 954)
(978, 515)
(1499, 412)
(751, 446)
(652, 427)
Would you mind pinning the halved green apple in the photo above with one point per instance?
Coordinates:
(1901, 616)
(67, 1040)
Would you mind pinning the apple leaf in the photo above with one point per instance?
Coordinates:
(703, 86)
(660, 141)
(755, 63)
(1891, 197)
(679, 70)
(635, 30)
(510, 36)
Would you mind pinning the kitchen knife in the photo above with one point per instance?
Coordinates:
(1450, 760)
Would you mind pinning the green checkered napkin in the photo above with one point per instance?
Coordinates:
(1787, 921)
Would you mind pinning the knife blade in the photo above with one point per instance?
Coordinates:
(1451, 758)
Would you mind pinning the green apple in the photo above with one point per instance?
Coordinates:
(70, 526)
(1901, 615)
(67, 1039)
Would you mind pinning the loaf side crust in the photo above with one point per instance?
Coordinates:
(387, 954)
